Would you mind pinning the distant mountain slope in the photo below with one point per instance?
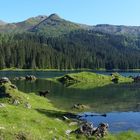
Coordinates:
(117, 29)
(2, 22)
(31, 22)
(23, 26)
(54, 25)
(53, 42)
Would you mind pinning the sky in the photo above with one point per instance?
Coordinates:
(91, 12)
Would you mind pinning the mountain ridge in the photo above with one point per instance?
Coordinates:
(55, 24)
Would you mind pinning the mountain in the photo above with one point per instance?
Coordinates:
(51, 25)
(29, 23)
(2, 22)
(54, 26)
(56, 43)
(23, 26)
(117, 29)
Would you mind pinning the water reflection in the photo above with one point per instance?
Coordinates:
(122, 97)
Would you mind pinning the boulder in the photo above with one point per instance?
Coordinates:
(80, 106)
(88, 129)
(30, 77)
(102, 130)
(4, 80)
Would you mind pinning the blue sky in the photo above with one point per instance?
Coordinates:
(92, 12)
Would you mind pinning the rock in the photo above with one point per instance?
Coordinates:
(79, 106)
(102, 130)
(16, 102)
(87, 129)
(30, 77)
(13, 86)
(67, 132)
(27, 105)
(19, 78)
(73, 123)
(2, 105)
(4, 80)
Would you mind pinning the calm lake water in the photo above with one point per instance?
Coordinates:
(121, 102)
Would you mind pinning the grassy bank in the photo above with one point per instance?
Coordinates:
(42, 121)
(88, 80)
(18, 69)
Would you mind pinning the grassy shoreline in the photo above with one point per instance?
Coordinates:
(42, 121)
(82, 69)
(89, 80)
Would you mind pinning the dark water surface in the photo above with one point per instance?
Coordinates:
(121, 102)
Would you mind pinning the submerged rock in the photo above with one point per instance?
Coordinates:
(30, 77)
(80, 106)
(19, 78)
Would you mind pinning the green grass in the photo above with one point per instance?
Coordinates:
(41, 122)
(129, 135)
(89, 80)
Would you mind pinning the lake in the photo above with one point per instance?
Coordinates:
(121, 102)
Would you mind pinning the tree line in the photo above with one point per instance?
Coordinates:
(77, 49)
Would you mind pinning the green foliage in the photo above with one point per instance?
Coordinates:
(75, 50)
(89, 80)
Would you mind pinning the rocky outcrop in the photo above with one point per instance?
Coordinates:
(30, 77)
(80, 106)
(4, 80)
(27, 77)
(88, 129)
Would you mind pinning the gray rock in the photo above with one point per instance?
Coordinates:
(30, 77)
(73, 123)
(2, 105)
(102, 130)
(13, 86)
(87, 129)
(27, 105)
(16, 102)
(4, 80)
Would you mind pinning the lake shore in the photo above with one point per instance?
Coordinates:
(80, 69)
(40, 120)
